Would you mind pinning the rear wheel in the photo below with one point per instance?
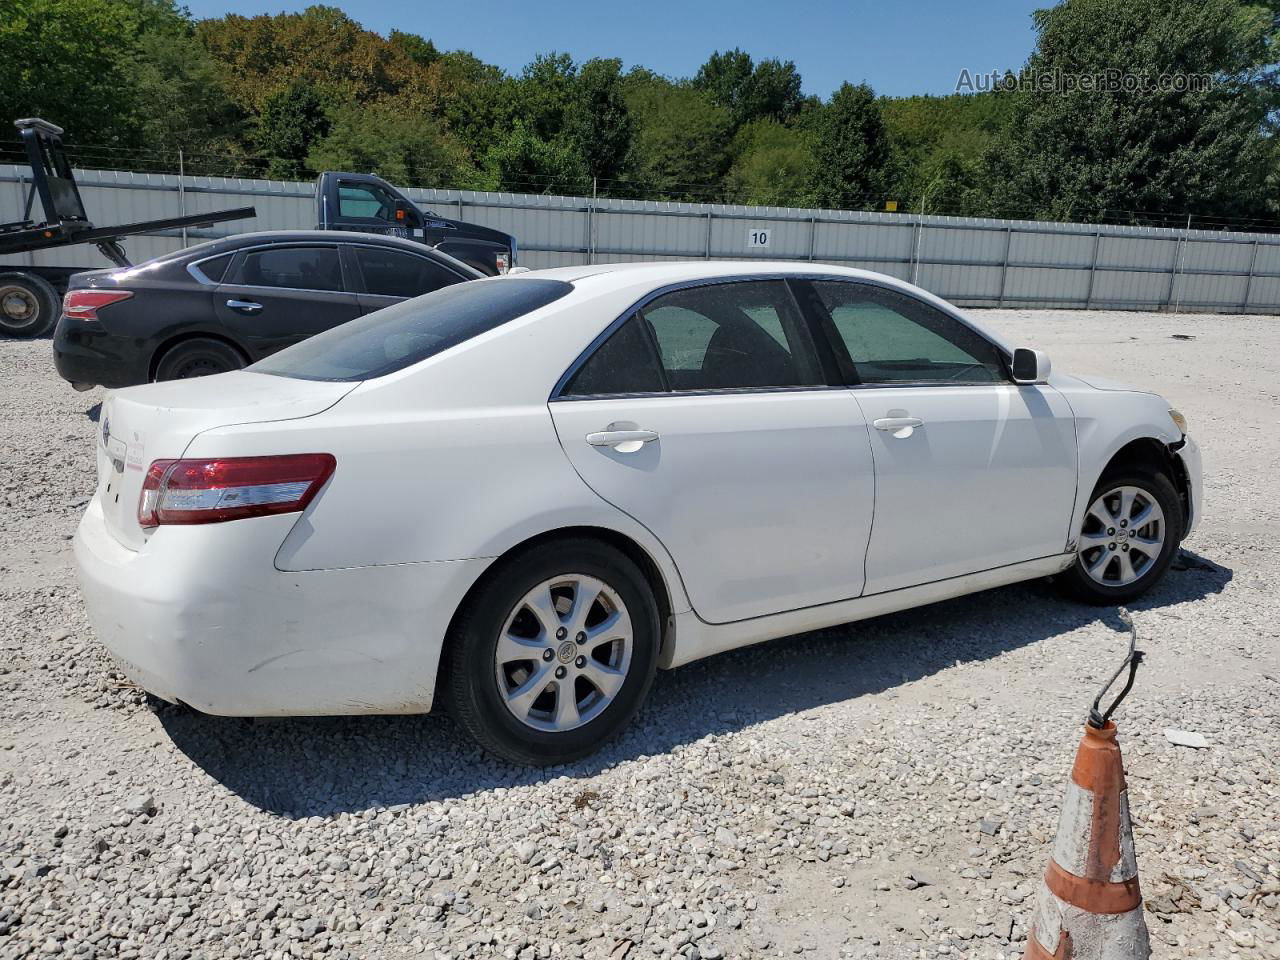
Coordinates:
(1131, 531)
(554, 653)
(28, 305)
(199, 357)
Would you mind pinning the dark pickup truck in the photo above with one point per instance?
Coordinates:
(368, 204)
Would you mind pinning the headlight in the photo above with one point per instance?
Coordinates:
(1179, 420)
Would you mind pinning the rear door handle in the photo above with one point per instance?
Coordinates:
(245, 306)
(900, 427)
(624, 441)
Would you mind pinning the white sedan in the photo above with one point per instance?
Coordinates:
(525, 494)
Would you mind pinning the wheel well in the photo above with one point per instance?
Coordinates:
(1148, 452)
(169, 344)
(620, 542)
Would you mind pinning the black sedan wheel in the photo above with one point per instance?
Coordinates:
(200, 357)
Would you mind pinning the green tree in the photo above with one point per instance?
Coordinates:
(750, 91)
(292, 121)
(1088, 154)
(937, 141)
(544, 91)
(70, 62)
(774, 166)
(524, 162)
(850, 148)
(387, 139)
(682, 140)
(418, 49)
(598, 123)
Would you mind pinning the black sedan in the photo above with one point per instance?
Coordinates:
(222, 305)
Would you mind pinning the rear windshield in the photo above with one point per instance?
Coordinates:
(404, 334)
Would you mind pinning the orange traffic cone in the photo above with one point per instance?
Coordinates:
(1090, 907)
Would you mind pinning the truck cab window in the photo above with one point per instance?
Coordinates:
(368, 201)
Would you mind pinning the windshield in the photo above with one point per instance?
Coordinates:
(404, 334)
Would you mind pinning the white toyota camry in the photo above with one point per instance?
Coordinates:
(525, 494)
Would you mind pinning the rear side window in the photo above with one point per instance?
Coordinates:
(406, 333)
(297, 268)
(215, 268)
(625, 363)
(733, 336)
(393, 273)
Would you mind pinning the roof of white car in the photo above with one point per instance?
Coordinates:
(676, 271)
(604, 278)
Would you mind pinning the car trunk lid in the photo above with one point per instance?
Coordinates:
(139, 425)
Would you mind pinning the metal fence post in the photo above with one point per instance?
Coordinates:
(1248, 284)
(915, 252)
(813, 235)
(708, 256)
(182, 194)
(1093, 269)
(591, 223)
(1186, 243)
(1004, 269)
(1177, 268)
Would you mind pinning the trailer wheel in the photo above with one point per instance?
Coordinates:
(28, 305)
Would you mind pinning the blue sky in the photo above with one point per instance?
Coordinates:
(899, 48)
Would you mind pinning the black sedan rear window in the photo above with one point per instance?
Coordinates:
(403, 334)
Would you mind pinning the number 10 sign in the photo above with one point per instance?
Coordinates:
(758, 237)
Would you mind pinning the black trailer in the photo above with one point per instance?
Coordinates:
(29, 295)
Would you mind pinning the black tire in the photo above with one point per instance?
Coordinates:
(471, 681)
(1077, 582)
(29, 306)
(198, 357)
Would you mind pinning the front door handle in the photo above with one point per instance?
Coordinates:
(623, 441)
(900, 427)
(245, 306)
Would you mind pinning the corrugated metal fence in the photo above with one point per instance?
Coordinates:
(969, 261)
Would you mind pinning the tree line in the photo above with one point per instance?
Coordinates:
(287, 95)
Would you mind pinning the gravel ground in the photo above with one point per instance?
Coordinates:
(888, 789)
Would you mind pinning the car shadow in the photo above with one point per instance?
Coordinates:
(301, 767)
(94, 412)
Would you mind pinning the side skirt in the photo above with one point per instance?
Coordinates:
(695, 639)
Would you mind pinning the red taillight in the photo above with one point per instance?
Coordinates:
(213, 491)
(85, 304)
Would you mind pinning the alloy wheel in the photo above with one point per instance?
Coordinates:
(1124, 532)
(563, 653)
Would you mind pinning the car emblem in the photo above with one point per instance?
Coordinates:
(566, 651)
(106, 431)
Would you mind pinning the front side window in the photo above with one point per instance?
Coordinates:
(894, 338)
(366, 201)
(732, 336)
(406, 333)
(297, 268)
(394, 273)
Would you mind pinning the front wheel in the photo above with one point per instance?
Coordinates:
(554, 653)
(1130, 534)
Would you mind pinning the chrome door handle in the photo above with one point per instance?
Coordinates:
(624, 441)
(245, 306)
(900, 427)
(897, 423)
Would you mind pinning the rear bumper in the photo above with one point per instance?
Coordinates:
(200, 615)
(87, 353)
